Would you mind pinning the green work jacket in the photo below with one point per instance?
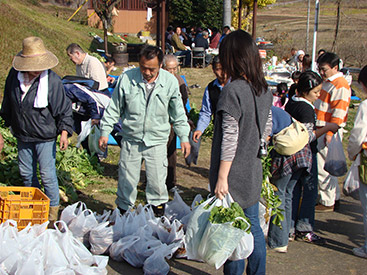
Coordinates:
(146, 119)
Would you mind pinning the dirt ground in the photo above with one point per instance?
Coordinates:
(343, 229)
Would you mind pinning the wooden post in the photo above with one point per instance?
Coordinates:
(254, 21)
(240, 15)
(163, 11)
(158, 8)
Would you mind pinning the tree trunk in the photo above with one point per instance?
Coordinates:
(333, 48)
(105, 38)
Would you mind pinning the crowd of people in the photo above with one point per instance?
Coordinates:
(182, 43)
(146, 112)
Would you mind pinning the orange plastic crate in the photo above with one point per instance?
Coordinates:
(24, 205)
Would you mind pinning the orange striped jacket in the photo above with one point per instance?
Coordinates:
(333, 103)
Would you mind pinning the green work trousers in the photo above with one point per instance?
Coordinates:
(131, 156)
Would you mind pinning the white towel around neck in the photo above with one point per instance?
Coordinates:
(41, 99)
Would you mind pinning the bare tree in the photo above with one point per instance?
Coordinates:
(338, 2)
(103, 9)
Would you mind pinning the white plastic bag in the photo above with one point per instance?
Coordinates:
(103, 217)
(170, 232)
(79, 257)
(264, 218)
(335, 162)
(156, 263)
(100, 238)
(116, 248)
(93, 141)
(351, 182)
(244, 248)
(142, 249)
(72, 211)
(177, 208)
(86, 127)
(82, 225)
(196, 227)
(31, 264)
(117, 221)
(219, 241)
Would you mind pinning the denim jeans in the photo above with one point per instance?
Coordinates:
(256, 263)
(363, 199)
(29, 153)
(303, 216)
(278, 237)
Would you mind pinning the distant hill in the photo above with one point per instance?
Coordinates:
(285, 25)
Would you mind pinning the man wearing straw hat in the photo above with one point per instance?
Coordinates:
(37, 110)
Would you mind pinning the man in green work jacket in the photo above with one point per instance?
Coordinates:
(147, 100)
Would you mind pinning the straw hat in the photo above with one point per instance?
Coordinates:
(34, 56)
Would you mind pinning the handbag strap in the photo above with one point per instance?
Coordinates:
(256, 114)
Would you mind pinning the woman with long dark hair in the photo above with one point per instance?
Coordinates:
(242, 113)
(301, 108)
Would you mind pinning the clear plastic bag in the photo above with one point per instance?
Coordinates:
(351, 182)
(335, 162)
(195, 229)
(244, 248)
(82, 225)
(218, 243)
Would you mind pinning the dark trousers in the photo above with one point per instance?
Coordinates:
(172, 160)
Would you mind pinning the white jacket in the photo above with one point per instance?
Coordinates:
(358, 135)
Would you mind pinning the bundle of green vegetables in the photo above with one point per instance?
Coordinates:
(75, 168)
(220, 214)
(272, 201)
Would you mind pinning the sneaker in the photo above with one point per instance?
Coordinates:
(360, 252)
(281, 249)
(310, 237)
(320, 208)
(176, 189)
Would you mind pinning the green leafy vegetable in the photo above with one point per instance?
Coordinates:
(220, 214)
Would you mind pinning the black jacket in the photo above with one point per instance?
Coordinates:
(31, 124)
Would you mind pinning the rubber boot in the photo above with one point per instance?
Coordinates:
(53, 215)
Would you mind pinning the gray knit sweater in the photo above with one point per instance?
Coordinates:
(245, 176)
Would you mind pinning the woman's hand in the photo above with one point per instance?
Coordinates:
(221, 189)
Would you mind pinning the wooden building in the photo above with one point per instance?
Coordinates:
(131, 18)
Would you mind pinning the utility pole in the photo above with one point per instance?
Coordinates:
(254, 21)
(308, 25)
(317, 11)
(227, 13)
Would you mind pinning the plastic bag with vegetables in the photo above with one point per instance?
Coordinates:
(225, 234)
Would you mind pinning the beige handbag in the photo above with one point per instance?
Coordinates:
(291, 139)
